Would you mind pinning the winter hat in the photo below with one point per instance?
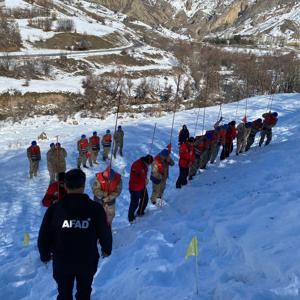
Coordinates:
(119, 127)
(248, 124)
(148, 159)
(83, 136)
(57, 145)
(164, 153)
(184, 127)
(33, 143)
(51, 145)
(107, 131)
(275, 114)
(259, 120)
(232, 123)
(95, 133)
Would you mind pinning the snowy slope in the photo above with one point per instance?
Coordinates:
(245, 212)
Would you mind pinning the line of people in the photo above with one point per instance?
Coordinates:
(74, 223)
(88, 150)
(196, 152)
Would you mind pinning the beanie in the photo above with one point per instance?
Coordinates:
(164, 153)
(107, 131)
(275, 114)
(33, 143)
(83, 136)
(51, 145)
(95, 133)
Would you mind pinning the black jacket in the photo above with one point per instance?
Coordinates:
(70, 231)
(184, 135)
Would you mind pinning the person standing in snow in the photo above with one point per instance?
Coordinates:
(51, 162)
(243, 132)
(230, 136)
(255, 128)
(60, 164)
(184, 135)
(106, 188)
(69, 234)
(138, 187)
(159, 174)
(84, 154)
(106, 143)
(34, 157)
(199, 148)
(55, 192)
(118, 138)
(186, 160)
(270, 120)
(95, 147)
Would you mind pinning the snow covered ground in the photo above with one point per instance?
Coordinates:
(244, 211)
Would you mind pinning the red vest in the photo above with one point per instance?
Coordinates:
(95, 140)
(108, 186)
(84, 144)
(35, 153)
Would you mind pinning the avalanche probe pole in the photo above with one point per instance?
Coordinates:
(57, 167)
(151, 146)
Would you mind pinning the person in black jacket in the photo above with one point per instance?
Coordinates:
(69, 234)
(184, 135)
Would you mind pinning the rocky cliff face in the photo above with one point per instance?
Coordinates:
(200, 17)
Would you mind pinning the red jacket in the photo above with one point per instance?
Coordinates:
(269, 120)
(257, 125)
(138, 176)
(222, 136)
(231, 135)
(52, 195)
(184, 156)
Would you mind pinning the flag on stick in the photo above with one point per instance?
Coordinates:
(192, 250)
(26, 239)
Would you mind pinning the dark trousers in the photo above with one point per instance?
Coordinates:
(250, 141)
(65, 281)
(227, 149)
(182, 178)
(137, 200)
(266, 132)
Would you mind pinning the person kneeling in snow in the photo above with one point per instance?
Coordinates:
(160, 174)
(69, 234)
(106, 188)
(56, 191)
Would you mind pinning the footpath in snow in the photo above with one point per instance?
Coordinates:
(245, 212)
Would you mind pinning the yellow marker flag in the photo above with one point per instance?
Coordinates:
(192, 250)
(26, 239)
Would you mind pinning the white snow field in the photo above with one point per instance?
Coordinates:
(245, 212)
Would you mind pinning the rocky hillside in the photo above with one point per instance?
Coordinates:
(259, 18)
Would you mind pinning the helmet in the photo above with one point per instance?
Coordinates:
(259, 120)
(164, 153)
(83, 136)
(95, 133)
(119, 127)
(107, 131)
(52, 145)
(232, 123)
(33, 143)
(275, 114)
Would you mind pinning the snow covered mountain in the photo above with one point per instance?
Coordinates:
(244, 211)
